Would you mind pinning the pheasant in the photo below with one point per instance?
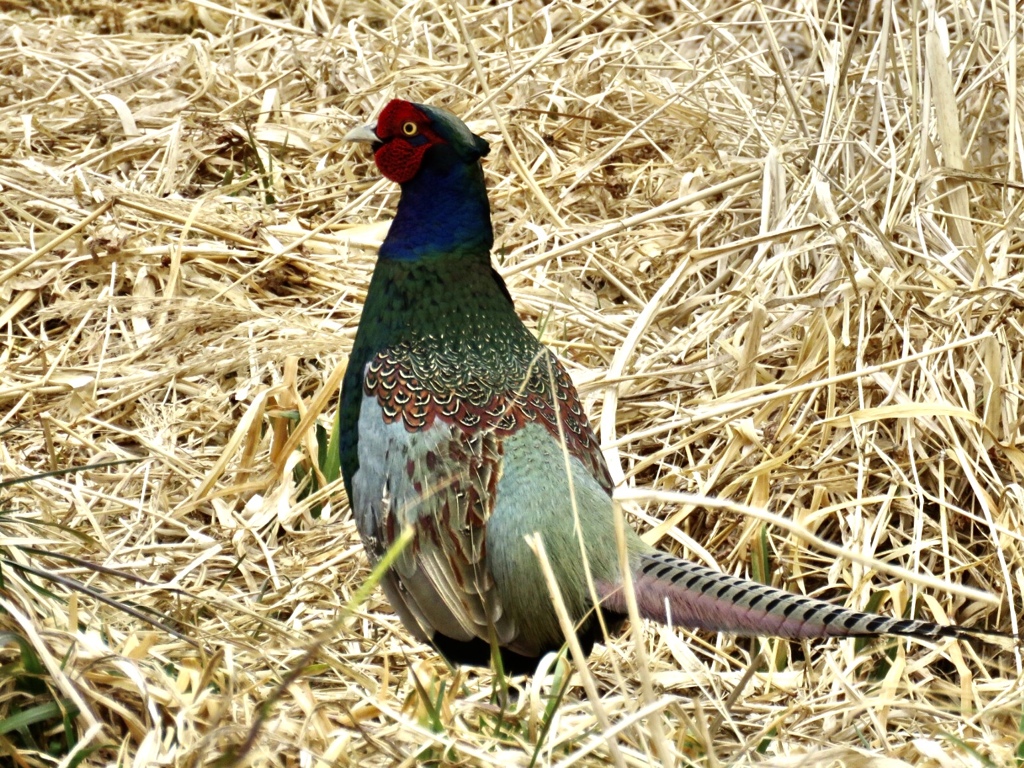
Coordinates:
(455, 420)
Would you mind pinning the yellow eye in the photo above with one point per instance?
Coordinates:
(410, 128)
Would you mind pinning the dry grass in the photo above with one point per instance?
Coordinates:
(781, 257)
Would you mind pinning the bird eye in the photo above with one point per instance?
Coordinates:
(410, 128)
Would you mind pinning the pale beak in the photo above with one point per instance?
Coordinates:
(363, 133)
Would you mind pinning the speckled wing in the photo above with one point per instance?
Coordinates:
(498, 387)
(436, 480)
(430, 456)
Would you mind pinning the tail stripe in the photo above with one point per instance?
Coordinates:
(872, 626)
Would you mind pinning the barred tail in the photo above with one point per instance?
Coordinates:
(671, 590)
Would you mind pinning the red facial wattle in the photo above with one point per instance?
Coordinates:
(405, 135)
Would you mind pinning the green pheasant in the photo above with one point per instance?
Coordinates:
(456, 421)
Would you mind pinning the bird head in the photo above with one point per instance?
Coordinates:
(405, 132)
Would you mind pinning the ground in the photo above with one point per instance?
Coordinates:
(778, 248)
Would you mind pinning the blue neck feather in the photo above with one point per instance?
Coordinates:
(443, 210)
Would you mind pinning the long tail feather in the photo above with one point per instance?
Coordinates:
(671, 590)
